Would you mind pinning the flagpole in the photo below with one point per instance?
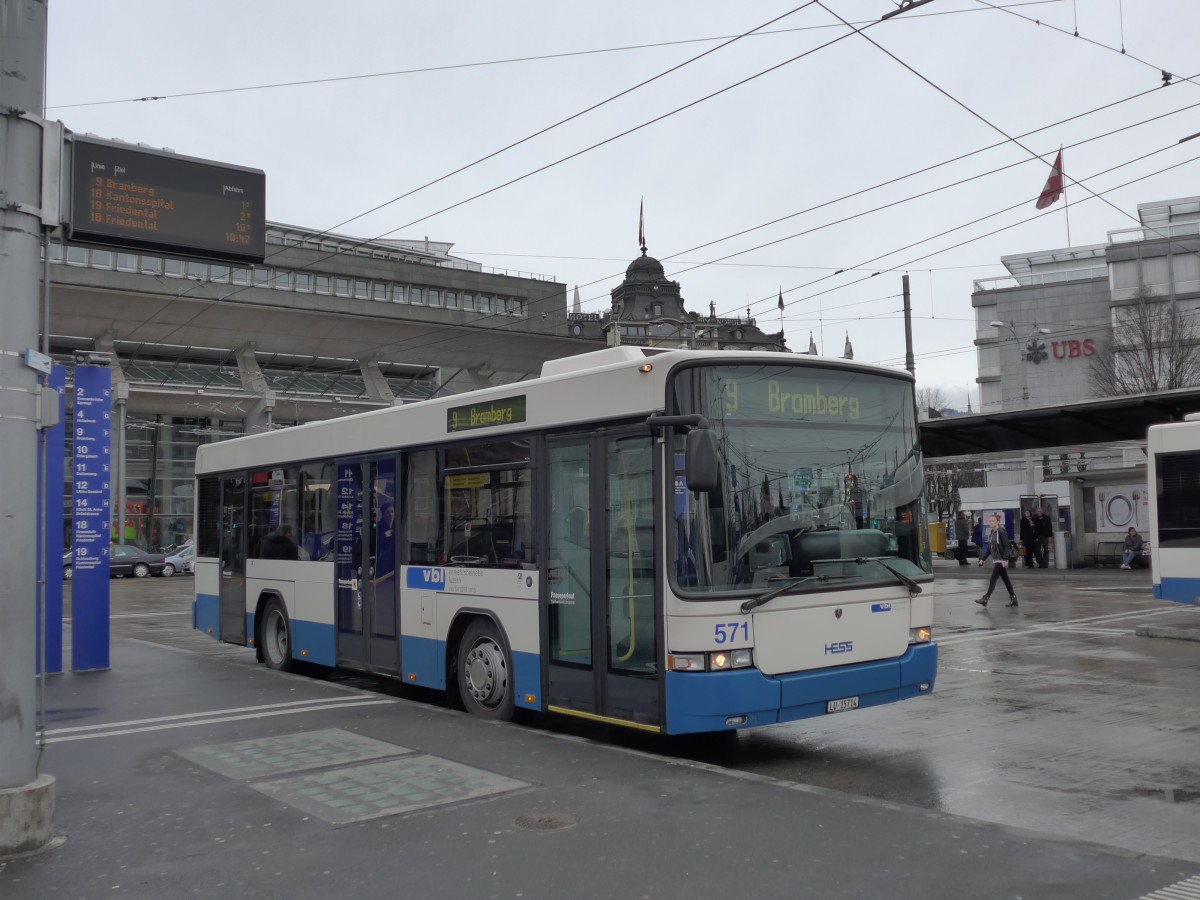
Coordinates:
(1066, 202)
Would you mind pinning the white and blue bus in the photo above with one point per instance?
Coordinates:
(676, 541)
(1173, 477)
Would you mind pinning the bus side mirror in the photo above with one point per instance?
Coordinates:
(702, 468)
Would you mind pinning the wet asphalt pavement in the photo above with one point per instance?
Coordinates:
(1054, 722)
(1056, 716)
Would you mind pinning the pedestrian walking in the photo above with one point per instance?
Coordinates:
(962, 534)
(1028, 537)
(997, 548)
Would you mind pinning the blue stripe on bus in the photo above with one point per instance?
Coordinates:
(206, 614)
(315, 639)
(1178, 590)
(703, 701)
(425, 658)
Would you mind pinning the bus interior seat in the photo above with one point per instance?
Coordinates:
(813, 546)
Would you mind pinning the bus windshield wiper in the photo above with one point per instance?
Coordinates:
(913, 587)
(768, 596)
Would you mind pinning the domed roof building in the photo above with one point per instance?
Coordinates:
(648, 310)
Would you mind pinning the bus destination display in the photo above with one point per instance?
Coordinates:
(489, 414)
(135, 197)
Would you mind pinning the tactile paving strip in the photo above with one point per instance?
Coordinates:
(290, 753)
(386, 788)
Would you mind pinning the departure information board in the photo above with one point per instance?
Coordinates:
(136, 197)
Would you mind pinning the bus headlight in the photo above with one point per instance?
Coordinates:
(717, 661)
(922, 635)
(730, 659)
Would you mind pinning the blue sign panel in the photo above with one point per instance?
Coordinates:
(346, 548)
(53, 540)
(91, 462)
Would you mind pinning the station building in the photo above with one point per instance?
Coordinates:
(326, 326)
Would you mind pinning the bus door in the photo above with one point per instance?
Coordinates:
(233, 559)
(601, 606)
(367, 600)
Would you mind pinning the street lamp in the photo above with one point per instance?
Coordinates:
(1025, 357)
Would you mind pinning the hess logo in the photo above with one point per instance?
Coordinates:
(839, 647)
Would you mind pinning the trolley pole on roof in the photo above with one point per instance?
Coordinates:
(26, 798)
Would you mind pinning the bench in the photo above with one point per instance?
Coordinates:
(1108, 553)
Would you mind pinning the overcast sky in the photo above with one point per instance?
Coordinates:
(764, 164)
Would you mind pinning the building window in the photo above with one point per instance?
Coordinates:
(282, 280)
(435, 297)
(152, 265)
(451, 300)
(485, 303)
(379, 291)
(240, 276)
(361, 289)
(76, 256)
(103, 259)
(399, 293)
(341, 287)
(218, 273)
(468, 301)
(323, 284)
(173, 268)
(127, 262)
(304, 281)
(197, 270)
(516, 306)
(415, 296)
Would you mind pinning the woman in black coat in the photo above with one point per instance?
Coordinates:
(1028, 537)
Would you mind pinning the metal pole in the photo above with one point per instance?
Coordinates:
(29, 798)
(909, 362)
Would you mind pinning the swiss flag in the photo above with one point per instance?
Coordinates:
(1054, 184)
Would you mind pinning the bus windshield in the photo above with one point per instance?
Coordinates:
(821, 475)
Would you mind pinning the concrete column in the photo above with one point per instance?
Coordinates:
(377, 386)
(26, 800)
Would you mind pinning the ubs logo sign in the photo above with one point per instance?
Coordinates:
(1073, 349)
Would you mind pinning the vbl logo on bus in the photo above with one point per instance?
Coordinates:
(429, 578)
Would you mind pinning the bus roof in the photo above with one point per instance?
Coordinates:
(621, 382)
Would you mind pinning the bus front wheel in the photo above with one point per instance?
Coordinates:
(485, 673)
(275, 637)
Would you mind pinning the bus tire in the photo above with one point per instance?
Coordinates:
(275, 637)
(484, 672)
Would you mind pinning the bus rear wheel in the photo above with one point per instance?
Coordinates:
(275, 637)
(485, 673)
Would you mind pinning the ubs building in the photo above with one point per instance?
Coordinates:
(1040, 330)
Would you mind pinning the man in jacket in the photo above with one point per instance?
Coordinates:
(962, 534)
(1028, 537)
(1043, 532)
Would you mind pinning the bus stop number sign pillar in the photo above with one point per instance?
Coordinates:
(1062, 549)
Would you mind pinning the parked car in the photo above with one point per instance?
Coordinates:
(179, 562)
(126, 559)
(952, 550)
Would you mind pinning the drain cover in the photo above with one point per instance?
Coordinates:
(547, 821)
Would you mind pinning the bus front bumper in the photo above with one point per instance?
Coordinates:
(744, 698)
